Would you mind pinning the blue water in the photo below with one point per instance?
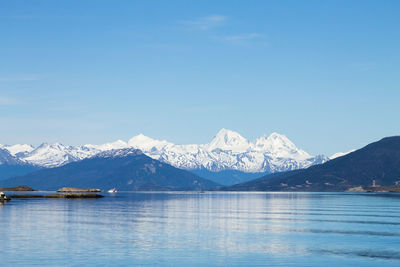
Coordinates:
(210, 229)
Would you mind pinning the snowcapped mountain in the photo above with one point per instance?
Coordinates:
(11, 166)
(18, 148)
(279, 146)
(54, 155)
(119, 144)
(146, 143)
(228, 140)
(228, 150)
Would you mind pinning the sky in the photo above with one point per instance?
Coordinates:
(323, 73)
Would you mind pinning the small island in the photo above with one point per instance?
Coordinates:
(22, 188)
(374, 189)
(78, 190)
(65, 192)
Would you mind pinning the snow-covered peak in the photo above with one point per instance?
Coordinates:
(274, 140)
(19, 148)
(119, 144)
(228, 140)
(47, 146)
(145, 143)
(51, 155)
(228, 150)
(340, 154)
(279, 146)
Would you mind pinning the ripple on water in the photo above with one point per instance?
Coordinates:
(211, 229)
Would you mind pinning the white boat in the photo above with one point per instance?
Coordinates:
(112, 190)
(3, 197)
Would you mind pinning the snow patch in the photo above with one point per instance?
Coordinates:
(340, 154)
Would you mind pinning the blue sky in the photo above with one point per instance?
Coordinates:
(324, 73)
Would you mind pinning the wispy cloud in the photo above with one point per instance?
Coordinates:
(12, 78)
(211, 108)
(241, 38)
(206, 23)
(217, 21)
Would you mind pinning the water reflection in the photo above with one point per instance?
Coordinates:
(169, 229)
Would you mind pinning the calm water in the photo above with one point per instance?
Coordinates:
(210, 229)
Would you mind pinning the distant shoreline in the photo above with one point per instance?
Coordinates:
(357, 189)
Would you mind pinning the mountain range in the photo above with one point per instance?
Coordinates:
(126, 169)
(130, 169)
(378, 161)
(227, 152)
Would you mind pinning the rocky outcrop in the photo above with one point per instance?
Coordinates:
(17, 188)
(78, 190)
(356, 189)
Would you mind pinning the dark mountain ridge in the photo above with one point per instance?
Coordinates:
(12, 166)
(379, 161)
(125, 169)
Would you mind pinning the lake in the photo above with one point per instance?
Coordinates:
(203, 229)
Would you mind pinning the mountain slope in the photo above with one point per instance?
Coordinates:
(125, 169)
(7, 158)
(10, 165)
(379, 161)
(7, 171)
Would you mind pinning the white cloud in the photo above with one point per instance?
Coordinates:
(241, 38)
(208, 22)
